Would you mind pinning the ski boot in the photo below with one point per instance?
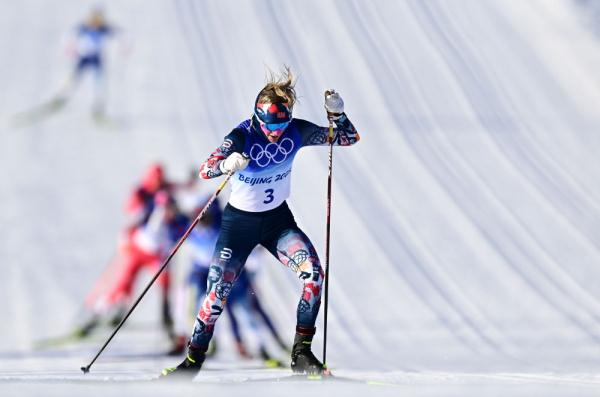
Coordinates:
(190, 366)
(303, 359)
(86, 329)
(117, 316)
(212, 348)
(167, 319)
(242, 351)
(268, 360)
(56, 103)
(178, 344)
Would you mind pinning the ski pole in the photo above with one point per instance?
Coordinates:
(86, 369)
(327, 238)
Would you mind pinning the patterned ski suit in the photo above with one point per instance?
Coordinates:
(258, 214)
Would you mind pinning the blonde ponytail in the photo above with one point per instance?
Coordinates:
(279, 88)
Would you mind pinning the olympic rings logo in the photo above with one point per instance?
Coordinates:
(275, 152)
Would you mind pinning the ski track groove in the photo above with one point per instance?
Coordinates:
(554, 282)
(210, 56)
(547, 297)
(556, 188)
(576, 289)
(474, 311)
(423, 265)
(580, 203)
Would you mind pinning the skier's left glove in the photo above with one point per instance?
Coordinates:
(235, 162)
(334, 104)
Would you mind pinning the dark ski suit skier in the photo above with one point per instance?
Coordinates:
(260, 151)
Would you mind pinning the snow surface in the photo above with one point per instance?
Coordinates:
(466, 223)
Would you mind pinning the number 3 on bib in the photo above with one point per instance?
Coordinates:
(269, 197)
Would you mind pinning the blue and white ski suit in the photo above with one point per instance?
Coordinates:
(257, 213)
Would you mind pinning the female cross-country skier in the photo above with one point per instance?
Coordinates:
(261, 151)
(87, 48)
(154, 223)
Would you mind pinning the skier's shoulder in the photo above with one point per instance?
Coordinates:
(239, 134)
(244, 128)
(84, 29)
(301, 122)
(106, 29)
(141, 194)
(303, 125)
(306, 130)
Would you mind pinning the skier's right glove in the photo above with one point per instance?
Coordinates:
(334, 104)
(235, 162)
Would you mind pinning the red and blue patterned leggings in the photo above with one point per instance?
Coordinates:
(241, 232)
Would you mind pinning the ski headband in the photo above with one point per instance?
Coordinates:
(272, 113)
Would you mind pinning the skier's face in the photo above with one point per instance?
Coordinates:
(273, 131)
(153, 179)
(96, 19)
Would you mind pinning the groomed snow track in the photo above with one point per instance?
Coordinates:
(466, 223)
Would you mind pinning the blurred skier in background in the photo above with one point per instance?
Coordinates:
(261, 151)
(87, 49)
(155, 224)
(141, 203)
(86, 46)
(200, 245)
(243, 295)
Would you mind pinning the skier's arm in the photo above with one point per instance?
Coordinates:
(135, 209)
(344, 133)
(233, 143)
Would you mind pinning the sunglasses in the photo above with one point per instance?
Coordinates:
(273, 129)
(275, 126)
